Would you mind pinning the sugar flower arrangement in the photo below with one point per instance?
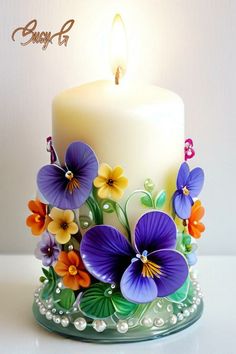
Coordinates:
(94, 271)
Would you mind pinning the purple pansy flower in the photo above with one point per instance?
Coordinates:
(47, 249)
(68, 186)
(150, 269)
(189, 185)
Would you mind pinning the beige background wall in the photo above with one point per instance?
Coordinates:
(187, 46)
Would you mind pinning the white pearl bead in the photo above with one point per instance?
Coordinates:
(59, 285)
(191, 309)
(193, 275)
(173, 319)
(48, 315)
(200, 294)
(133, 321)
(159, 322)
(122, 326)
(147, 322)
(80, 323)
(198, 301)
(194, 306)
(186, 313)
(99, 325)
(169, 308)
(65, 321)
(180, 317)
(56, 319)
(54, 310)
(42, 310)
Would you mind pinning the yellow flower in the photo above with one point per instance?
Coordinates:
(63, 225)
(110, 182)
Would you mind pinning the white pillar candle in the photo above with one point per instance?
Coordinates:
(140, 128)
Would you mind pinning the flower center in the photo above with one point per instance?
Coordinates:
(37, 218)
(150, 269)
(49, 251)
(72, 270)
(185, 191)
(110, 182)
(64, 225)
(69, 175)
(73, 182)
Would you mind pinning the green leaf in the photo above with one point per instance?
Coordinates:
(147, 201)
(42, 279)
(85, 221)
(48, 289)
(101, 301)
(160, 199)
(96, 302)
(123, 306)
(65, 298)
(108, 206)
(51, 284)
(181, 294)
(45, 272)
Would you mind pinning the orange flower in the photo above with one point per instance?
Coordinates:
(71, 268)
(195, 227)
(38, 221)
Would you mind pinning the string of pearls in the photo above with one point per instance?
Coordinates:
(64, 318)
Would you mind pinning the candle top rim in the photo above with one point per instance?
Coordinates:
(105, 89)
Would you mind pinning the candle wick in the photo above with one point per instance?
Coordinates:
(117, 75)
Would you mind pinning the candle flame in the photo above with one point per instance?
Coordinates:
(118, 48)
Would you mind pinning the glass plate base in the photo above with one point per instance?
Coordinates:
(136, 334)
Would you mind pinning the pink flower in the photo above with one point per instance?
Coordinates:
(188, 149)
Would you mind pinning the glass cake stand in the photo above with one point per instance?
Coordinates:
(155, 320)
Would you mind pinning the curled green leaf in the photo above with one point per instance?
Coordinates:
(149, 185)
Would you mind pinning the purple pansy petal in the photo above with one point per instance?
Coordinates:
(155, 230)
(47, 250)
(37, 252)
(195, 182)
(174, 268)
(52, 184)
(135, 287)
(47, 261)
(182, 204)
(81, 160)
(182, 176)
(106, 253)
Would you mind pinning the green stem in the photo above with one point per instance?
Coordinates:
(133, 194)
(96, 211)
